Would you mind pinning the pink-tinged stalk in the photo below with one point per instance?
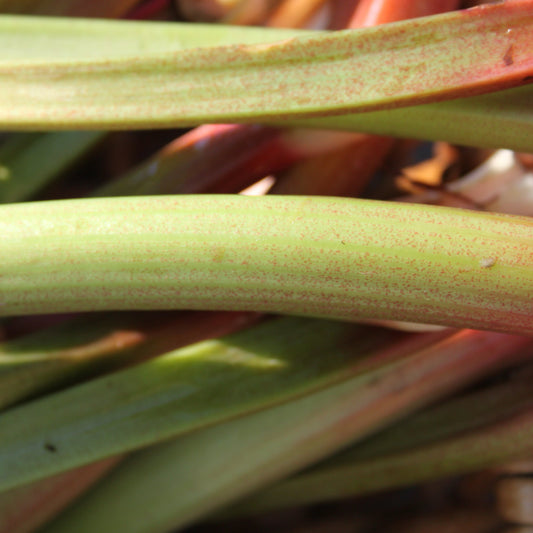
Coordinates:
(374, 12)
(210, 158)
(147, 9)
(488, 447)
(457, 54)
(294, 13)
(345, 171)
(25, 509)
(342, 11)
(359, 471)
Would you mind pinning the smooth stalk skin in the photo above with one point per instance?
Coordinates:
(447, 56)
(56, 39)
(325, 257)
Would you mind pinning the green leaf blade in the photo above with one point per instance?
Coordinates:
(185, 390)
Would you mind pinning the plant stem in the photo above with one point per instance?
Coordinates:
(331, 73)
(186, 479)
(182, 391)
(318, 256)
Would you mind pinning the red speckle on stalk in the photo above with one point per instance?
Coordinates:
(508, 57)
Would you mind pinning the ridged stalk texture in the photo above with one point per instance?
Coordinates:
(317, 256)
(424, 60)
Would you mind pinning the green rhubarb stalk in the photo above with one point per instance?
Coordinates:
(36, 39)
(325, 257)
(413, 451)
(187, 389)
(190, 477)
(29, 162)
(434, 58)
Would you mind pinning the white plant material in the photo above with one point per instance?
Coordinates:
(517, 198)
(501, 184)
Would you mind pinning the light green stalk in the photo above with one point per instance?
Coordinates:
(434, 58)
(81, 349)
(325, 257)
(40, 40)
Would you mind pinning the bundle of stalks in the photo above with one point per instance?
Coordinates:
(258, 272)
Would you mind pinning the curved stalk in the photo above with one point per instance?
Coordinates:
(318, 256)
(435, 58)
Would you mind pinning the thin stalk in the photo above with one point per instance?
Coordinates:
(344, 172)
(374, 12)
(188, 478)
(325, 257)
(472, 52)
(341, 11)
(37, 363)
(294, 13)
